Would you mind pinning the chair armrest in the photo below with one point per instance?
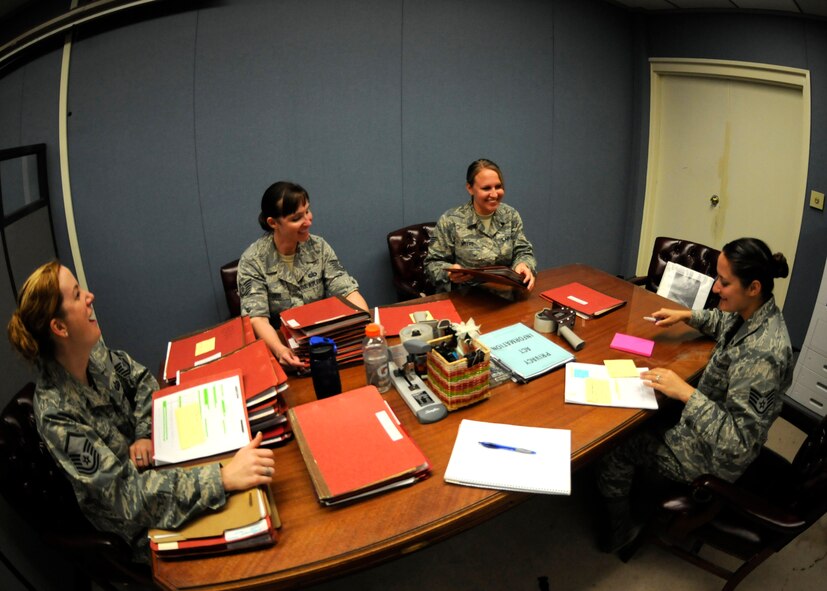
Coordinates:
(637, 280)
(746, 502)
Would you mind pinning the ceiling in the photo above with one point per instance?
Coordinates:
(816, 8)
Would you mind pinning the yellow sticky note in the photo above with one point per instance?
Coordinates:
(204, 346)
(622, 368)
(597, 391)
(190, 426)
(421, 316)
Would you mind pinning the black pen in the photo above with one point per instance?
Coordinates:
(521, 450)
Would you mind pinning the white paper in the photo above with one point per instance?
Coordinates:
(624, 392)
(685, 286)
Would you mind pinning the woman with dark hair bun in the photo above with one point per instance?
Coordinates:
(288, 267)
(92, 408)
(726, 418)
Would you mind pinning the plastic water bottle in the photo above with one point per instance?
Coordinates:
(376, 356)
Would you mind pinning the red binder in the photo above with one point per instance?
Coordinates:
(354, 446)
(206, 345)
(324, 315)
(263, 377)
(583, 300)
(395, 318)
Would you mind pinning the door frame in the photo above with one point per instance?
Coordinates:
(733, 70)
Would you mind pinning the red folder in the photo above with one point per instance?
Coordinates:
(395, 318)
(206, 345)
(583, 300)
(261, 373)
(322, 315)
(354, 446)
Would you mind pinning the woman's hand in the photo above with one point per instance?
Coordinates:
(250, 466)
(458, 277)
(667, 382)
(667, 317)
(286, 357)
(524, 270)
(140, 453)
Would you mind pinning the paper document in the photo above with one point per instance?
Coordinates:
(588, 383)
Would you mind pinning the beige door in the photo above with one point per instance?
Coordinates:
(728, 153)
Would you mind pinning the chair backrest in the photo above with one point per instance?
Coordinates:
(229, 276)
(810, 465)
(407, 248)
(692, 255)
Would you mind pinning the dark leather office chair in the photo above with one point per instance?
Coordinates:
(229, 275)
(692, 255)
(37, 489)
(767, 508)
(407, 247)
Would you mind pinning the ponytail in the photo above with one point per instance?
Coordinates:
(38, 302)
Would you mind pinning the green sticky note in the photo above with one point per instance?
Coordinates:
(621, 368)
(597, 391)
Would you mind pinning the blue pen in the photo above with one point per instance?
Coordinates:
(521, 450)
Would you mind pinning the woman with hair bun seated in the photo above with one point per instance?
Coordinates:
(288, 267)
(725, 419)
(92, 406)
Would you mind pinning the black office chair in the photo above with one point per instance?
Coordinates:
(753, 518)
(691, 255)
(407, 248)
(229, 276)
(37, 489)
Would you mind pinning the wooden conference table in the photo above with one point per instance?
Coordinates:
(318, 543)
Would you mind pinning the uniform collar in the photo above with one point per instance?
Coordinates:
(758, 319)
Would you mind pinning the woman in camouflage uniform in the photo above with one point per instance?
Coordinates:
(482, 232)
(92, 407)
(288, 267)
(726, 418)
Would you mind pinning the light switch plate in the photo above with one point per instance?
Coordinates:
(817, 200)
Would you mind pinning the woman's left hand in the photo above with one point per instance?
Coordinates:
(667, 382)
(141, 453)
(523, 270)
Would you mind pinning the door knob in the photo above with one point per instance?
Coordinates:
(714, 200)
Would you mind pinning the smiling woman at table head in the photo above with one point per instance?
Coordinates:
(288, 267)
(92, 406)
(482, 232)
(726, 418)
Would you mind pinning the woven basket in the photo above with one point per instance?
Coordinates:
(454, 383)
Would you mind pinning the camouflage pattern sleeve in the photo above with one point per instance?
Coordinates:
(523, 249)
(440, 254)
(336, 278)
(114, 495)
(139, 385)
(709, 322)
(252, 285)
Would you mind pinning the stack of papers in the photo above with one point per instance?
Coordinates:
(612, 384)
(247, 520)
(264, 384)
(206, 345)
(354, 446)
(511, 457)
(198, 420)
(335, 318)
(524, 351)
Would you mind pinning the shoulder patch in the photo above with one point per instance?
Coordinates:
(82, 453)
(761, 402)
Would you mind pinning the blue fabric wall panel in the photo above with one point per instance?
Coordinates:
(134, 183)
(11, 101)
(592, 134)
(478, 84)
(307, 92)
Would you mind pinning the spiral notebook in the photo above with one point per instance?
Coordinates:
(511, 457)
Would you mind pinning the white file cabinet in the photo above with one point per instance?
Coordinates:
(809, 386)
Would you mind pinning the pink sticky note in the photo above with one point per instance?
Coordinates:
(630, 344)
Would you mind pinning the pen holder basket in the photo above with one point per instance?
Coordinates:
(456, 384)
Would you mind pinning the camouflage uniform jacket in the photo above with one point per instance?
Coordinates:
(267, 286)
(460, 237)
(88, 431)
(726, 419)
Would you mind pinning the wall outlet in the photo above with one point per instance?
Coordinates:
(817, 200)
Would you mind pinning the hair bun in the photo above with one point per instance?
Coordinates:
(780, 266)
